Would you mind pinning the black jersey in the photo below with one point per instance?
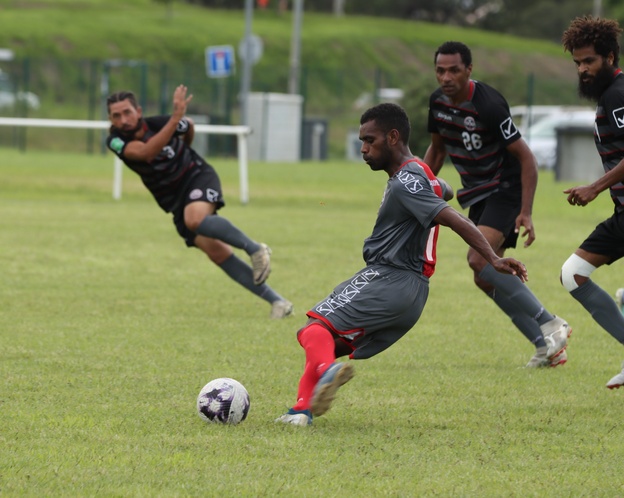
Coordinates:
(609, 131)
(476, 134)
(170, 170)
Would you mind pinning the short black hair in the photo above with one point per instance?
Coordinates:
(454, 47)
(388, 117)
(120, 97)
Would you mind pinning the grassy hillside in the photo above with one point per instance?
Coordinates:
(343, 59)
(149, 30)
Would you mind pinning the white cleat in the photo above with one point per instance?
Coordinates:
(261, 264)
(281, 309)
(617, 381)
(294, 417)
(556, 333)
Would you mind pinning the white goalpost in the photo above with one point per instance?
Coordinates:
(241, 133)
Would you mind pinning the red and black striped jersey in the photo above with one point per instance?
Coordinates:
(170, 169)
(609, 131)
(476, 134)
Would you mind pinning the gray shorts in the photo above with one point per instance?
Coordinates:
(374, 309)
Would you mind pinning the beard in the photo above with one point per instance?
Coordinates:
(130, 132)
(596, 85)
(381, 162)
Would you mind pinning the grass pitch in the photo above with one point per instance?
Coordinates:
(109, 327)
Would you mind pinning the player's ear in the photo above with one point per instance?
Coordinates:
(394, 136)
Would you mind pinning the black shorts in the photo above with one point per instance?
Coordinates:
(499, 211)
(202, 186)
(607, 239)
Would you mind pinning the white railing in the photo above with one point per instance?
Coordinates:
(241, 133)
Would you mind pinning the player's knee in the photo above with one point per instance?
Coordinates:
(574, 272)
(476, 262)
(193, 221)
(482, 284)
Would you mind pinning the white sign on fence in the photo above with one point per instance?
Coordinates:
(220, 61)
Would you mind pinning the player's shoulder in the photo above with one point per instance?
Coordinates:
(155, 121)
(616, 89)
(412, 177)
(115, 141)
(487, 95)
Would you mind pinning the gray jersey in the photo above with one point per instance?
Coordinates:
(404, 235)
(381, 303)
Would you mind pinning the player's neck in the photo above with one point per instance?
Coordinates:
(463, 95)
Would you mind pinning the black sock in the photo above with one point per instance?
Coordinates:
(602, 308)
(514, 289)
(215, 227)
(241, 272)
(525, 324)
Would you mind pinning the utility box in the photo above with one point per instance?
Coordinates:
(577, 157)
(200, 140)
(314, 133)
(353, 145)
(275, 121)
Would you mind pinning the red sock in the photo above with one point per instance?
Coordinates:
(318, 344)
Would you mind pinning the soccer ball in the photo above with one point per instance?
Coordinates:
(223, 401)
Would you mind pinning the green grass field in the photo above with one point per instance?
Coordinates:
(109, 327)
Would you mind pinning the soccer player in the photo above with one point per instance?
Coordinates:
(595, 50)
(470, 121)
(372, 310)
(159, 150)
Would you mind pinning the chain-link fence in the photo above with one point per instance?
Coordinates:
(333, 96)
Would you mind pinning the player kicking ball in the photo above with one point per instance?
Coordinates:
(372, 310)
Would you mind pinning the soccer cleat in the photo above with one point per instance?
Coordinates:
(336, 375)
(281, 309)
(556, 333)
(261, 264)
(540, 359)
(560, 359)
(617, 381)
(296, 417)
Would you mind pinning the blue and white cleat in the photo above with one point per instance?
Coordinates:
(296, 417)
(336, 375)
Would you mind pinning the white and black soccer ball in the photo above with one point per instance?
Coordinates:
(223, 401)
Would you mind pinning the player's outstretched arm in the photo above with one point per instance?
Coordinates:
(467, 230)
(147, 151)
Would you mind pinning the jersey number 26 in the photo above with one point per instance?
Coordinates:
(472, 141)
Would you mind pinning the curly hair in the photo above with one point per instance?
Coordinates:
(587, 31)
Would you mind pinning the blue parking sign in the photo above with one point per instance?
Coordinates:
(220, 61)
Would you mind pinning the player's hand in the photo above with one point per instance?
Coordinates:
(581, 196)
(525, 221)
(180, 101)
(512, 266)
